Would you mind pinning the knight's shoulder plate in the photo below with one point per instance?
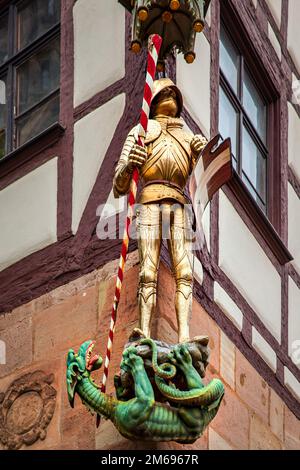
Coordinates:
(187, 136)
(153, 131)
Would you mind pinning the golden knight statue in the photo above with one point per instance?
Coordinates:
(165, 163)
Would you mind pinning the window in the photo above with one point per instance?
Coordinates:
(29, 71)
(243, 116)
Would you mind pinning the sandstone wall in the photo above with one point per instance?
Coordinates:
(39, 334)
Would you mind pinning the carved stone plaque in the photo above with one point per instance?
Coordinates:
(26, 409)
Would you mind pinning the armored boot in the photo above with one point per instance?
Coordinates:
(147, 304)
(183, 304)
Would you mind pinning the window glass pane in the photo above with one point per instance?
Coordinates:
(3, 39)
(254, 194)
(36, 17)
(254, 165)
(254, 106)
(38, 77)
(37, 121)
(229, 60)
(3, 117)
(228, 121)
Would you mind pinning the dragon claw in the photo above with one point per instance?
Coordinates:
(180, 355)
(130, 359)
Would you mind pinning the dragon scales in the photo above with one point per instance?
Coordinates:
(181, 415)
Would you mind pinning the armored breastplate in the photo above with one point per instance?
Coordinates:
(168, 161)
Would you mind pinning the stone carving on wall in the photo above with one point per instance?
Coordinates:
(26, 409)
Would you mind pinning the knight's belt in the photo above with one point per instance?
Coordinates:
(185, 198)
(170, 184)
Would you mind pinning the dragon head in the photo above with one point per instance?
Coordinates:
(80, 366)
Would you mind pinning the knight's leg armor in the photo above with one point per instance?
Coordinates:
(149, 243)
(183, 272)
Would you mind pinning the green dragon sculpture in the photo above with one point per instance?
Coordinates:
(183, 416)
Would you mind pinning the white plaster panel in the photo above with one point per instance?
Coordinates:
(294, 226)
(264, 349)
(99, 46)
(208, 16)
(294, 322)
(275, 7)
(194, 82)
(274, 41)
(228, 306)
(294, 140)
(197, 269)
(92, 136)
(246, 264)
(206, 225)
(293, 31)
(296, 91)
(28, 214)
(292, 383)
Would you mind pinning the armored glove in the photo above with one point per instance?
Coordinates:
(198, 142)
(137, 157)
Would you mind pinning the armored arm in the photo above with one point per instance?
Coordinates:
(132, 156)
(123, 171)
(197, 144)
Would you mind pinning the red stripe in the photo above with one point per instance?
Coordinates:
(118, 293)
(151, 66)
(144, 120)
(131, 200)
(124, 250)
(157, 41)
(120, 274)
(148, 94)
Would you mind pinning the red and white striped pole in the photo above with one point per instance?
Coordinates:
(154, 45)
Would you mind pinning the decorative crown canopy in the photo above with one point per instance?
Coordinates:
(176, 21)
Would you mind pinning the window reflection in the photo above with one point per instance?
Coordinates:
(35, 18)
(38, 77)
(3, 39)
(37, 120)
(254, 165)
(29, 70)
(228, 121)
(3, 117)
(254, 105)
(229, 60)
(243, 118)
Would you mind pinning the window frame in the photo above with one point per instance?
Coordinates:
(244, 121)
(8, 69)
(267, 90)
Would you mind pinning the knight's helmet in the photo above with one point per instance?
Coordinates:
(163, 83)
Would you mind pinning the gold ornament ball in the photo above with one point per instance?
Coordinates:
(174, 4)
(198, 26)
(167, 16)
(136, 47)
(190, 57)
(143, 13)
